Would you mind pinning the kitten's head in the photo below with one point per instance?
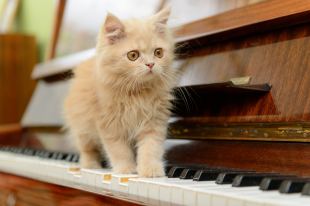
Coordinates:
(136, 52)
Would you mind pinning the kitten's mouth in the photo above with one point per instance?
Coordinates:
(150, 72)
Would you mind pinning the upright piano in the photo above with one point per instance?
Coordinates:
(239, 134)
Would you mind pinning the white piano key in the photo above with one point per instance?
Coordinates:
(190, 196)
(177, 190)
(211, 194)
(215, 195)
(55, 170)
(274, 198)
(161, 187)
(119, 183)
(87, 179)
(244, 196)
(99, 175)
(143, 192)
(253, 196)
(105, 182)
(92, 178)
(146, 189)
(133, 188)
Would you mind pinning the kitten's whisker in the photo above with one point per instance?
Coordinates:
(180, 89)
(190, 98)
(168, 80)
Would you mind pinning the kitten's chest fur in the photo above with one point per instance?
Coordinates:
(130, 113)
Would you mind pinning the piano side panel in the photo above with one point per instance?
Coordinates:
(18, 55)
(14, 189)
(281, 58)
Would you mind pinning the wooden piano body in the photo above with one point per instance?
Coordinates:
(263, 125)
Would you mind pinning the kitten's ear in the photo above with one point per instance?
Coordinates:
(161, 19)
(114, 29)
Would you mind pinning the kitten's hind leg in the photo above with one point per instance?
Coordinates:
(90, 155)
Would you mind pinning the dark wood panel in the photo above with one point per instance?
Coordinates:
(18, 55)
(280, 58)
(27, 192)
(249, 19)
(282, 157)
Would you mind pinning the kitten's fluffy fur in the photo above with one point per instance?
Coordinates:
(120, 106)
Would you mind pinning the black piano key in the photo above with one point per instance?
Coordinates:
(206, 175)
(69, 157)
(188, 173)
(5, 148)
(29, 152)
(228, 177)
(57, 156)
(292, 186)
(250, 179)
(306, 189)
(46, 154)
(167, 169)
(273, 183)
(19, 150)
(39, 153)
(14, 150)
(75, 158)
(175, 172)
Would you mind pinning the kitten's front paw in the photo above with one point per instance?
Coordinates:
(125, 169)
(151, 170)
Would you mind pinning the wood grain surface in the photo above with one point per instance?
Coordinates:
(18, 55)
(281, 157)
(263, 16)
(280, 58)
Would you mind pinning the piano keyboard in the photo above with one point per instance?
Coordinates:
(184, 185)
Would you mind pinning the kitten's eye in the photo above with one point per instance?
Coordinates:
(133, 55)
(159, 52)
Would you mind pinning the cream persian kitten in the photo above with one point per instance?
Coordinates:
(119, 101)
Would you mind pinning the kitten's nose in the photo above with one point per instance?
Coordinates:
(150, 65)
